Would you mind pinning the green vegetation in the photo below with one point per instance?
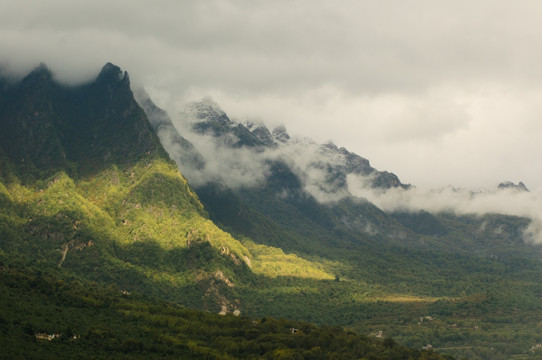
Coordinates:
(94, 322)
(463, 272)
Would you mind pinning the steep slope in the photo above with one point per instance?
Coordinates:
(88, 189)
(295, 184)
(179, 148)
(389, 267)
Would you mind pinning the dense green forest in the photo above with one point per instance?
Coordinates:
(47, 317)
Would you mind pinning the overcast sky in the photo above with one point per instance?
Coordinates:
(438, 92)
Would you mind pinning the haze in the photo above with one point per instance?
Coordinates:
(439, 93)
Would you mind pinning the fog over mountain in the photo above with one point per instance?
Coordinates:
(242, 154)
(460, 201)
(441, 92)
(244, 167)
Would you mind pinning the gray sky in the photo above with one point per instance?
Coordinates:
(438, 92)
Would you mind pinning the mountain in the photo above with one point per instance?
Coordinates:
(88, 188)
(49, 127)
(207, 118)
(294, 194)
(304, 186)
(308, 183)
(510, 185)
(98, 222)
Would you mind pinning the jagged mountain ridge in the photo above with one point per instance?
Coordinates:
(290, 189)
(314, 192)
(510, 185)
(88, 189)
(207, 118)
(48, 126)
(281, 201)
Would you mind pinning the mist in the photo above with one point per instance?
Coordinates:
(310, 161)
(459, 201)
(240, 167)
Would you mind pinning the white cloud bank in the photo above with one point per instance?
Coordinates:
(460, 201)
(247, 167)
(438, 92)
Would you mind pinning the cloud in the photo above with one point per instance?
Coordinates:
(360, 47)
(239, 167)
(437, 92)
(310, 162)
(244, 166)
(459, 201)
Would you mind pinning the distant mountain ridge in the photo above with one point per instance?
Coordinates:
(283, 199)
(510, 185)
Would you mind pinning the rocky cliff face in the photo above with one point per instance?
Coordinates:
(207, 119)
(28, 116)
(351, 163)
(46, 126)
(188, 158)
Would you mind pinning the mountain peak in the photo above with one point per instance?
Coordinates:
(260, 131)
(206, 109)
(510, 185)
(280, 134)
(113, 73)
(40, 74)
(48, 127)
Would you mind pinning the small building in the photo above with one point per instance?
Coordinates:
(45, 336)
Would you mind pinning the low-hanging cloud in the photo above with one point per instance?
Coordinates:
(243, 166)
(239, 167)
(507, 201)
(315, 164)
